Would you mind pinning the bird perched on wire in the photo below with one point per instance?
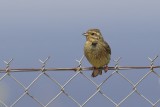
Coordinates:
(97, 51)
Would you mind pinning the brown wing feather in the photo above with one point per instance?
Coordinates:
(107, 47)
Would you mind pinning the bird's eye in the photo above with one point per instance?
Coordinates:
(92, 33)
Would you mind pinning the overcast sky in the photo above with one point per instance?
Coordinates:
(35, 29)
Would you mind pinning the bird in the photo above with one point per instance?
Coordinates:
(97, 51)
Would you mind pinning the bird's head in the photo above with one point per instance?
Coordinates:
(93, 35)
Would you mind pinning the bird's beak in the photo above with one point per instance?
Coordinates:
(85, 34)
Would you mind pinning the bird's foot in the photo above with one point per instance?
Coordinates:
(105, 68)
(96, 72)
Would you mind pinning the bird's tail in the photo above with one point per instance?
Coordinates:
(96, 72)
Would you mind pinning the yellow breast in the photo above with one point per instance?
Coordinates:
(96, 55)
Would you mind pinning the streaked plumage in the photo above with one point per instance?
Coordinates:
(96, 50)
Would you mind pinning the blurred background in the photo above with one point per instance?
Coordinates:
(35, 29)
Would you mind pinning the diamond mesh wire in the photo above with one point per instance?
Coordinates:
(46, 90)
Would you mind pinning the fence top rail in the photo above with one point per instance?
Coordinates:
(74, 69)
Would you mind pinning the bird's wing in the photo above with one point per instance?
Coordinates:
(107, 47)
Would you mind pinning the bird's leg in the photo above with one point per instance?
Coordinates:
(100, 71)
(96, 72)
(105, 68)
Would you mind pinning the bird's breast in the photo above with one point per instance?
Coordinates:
(96, 54)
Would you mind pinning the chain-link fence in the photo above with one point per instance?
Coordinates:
(138, 87)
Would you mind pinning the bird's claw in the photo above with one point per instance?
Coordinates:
(105, 68)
